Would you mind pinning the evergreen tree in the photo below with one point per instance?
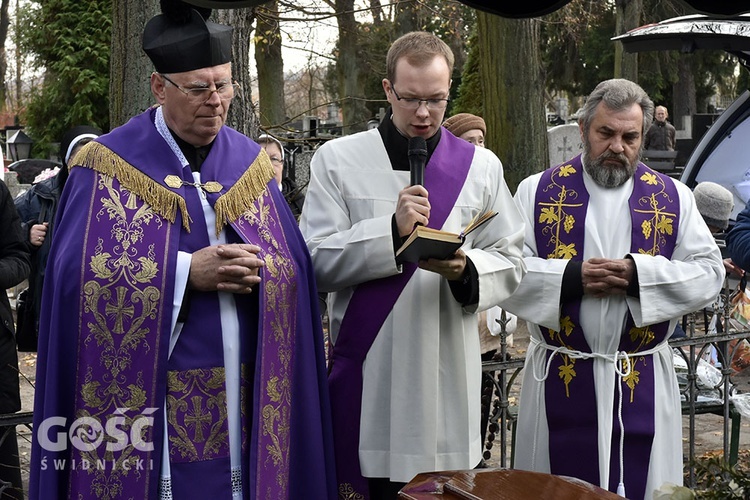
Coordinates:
(469, 99)
(71, 42)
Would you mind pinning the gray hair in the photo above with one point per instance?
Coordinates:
(617, 94)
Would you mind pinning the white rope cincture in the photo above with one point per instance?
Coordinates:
(614, 358)
(620, 376)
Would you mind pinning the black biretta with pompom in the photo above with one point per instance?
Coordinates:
(182, 39)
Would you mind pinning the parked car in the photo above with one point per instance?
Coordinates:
(27, 170)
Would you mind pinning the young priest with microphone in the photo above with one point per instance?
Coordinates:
(406, 367)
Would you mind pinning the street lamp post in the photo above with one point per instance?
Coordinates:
(18, 145)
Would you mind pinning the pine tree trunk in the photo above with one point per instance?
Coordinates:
(512, 88)
(270, 66)
(130, 69)
(4, 25)
(628, 16)
(683, 92)
(242, 116)
(351, 86)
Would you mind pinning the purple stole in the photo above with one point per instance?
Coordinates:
(134, 223)
(560, 217)
(368, 308)
(196, 398)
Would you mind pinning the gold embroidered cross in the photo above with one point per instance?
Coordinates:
(119, 310)
(658, 224)
(197, 418)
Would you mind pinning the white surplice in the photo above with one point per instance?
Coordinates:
(668, 289)
(421, 407)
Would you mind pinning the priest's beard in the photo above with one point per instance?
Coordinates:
(606, 175)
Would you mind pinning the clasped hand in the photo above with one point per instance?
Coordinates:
(602, 277)
(227, 268)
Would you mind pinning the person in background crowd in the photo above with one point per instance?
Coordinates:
(179, 312)
(616, 254)
(37, 208)
(293, 195)
(406, 373)
(661, 134)
(738, 240)
(14, 268)
(738, 248)
(468, 127)
(715, 204)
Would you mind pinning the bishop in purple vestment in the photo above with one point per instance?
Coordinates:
(181, 351)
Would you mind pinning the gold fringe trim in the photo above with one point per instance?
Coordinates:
(162, 200)
(245, 191)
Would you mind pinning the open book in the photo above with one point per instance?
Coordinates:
(426, 243)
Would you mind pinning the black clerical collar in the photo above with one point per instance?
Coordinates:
(397, 145)
(195, 156)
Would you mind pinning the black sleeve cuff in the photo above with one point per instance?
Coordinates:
(397, 240)
(185, 306)
(572, 283)
(394, 234)
(466, 290)
(633, 289)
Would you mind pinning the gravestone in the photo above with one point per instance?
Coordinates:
(15, 187)
(302, 167)
(564, 142)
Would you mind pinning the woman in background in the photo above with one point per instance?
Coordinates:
(37, 208)
(294, 196)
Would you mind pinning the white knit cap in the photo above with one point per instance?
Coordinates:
(266, 138)
(714, 202)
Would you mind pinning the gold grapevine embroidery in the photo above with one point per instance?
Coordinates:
(655, 228)
(347, 492)
(558, 221)
(278, 289)
(120, 298)
(661, 222)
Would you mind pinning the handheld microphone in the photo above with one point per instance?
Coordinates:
(417, 159)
